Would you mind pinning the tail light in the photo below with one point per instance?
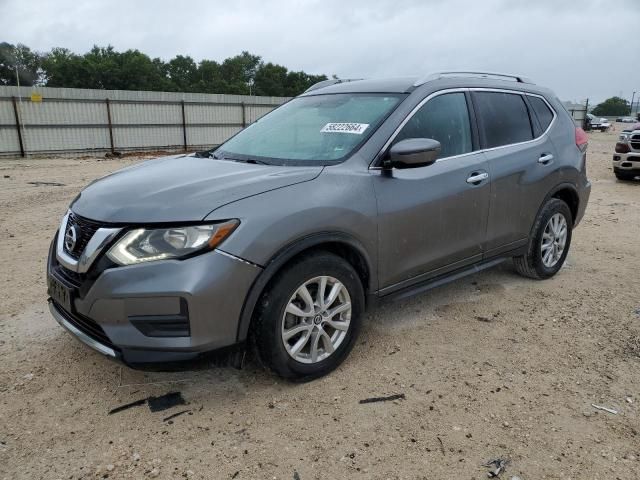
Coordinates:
(622, 148)
(581, 139)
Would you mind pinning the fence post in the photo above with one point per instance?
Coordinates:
(585, 123)
(18, 126)
(184, 126)
(244, 116)
(108, 103)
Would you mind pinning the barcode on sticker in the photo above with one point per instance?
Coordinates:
(357, 128)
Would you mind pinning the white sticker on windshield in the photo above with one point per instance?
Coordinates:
(357, 128)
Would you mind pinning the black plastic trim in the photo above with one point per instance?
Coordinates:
(286, 254)
(164, 325)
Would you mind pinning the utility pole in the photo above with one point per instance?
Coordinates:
(24, 140)
(631, 108)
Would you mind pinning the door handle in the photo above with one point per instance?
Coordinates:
(545, 159)
(476, 178)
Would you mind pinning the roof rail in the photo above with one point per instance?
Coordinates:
(437, 75)
(331, 81)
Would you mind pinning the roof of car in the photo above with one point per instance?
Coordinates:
(408, 84)
(381, 85)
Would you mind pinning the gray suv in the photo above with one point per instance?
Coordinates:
(353, 192)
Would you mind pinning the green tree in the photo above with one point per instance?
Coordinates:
(63, 68)
(19, 58)
(277, 81)
(238, 73)
(271, 80)
(612, 107)
(209, 78)
(183, 73)
(106, 68)
(139, 72)
(298, 82)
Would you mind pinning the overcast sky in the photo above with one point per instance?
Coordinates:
(579, 48)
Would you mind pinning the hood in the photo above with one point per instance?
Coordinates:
(180, 188)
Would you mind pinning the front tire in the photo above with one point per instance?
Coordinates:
(548, 243)
(309, 317)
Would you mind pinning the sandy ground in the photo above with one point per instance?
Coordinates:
(494, 365)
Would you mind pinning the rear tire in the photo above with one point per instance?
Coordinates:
(292, 312)
(548, 243)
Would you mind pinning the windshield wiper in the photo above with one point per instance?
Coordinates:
(221, 156)
(246, 160)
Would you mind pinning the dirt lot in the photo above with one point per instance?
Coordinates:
(491, 366)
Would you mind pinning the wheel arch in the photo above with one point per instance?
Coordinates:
(568, 193)
(341, 244)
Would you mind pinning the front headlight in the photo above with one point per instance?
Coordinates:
(145, 245)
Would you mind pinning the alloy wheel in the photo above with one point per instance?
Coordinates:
(316, 319)
(554, 240)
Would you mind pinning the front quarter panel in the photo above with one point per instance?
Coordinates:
(340, 201)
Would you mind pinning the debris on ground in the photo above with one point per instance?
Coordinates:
(164, 402)
(156, 404)
(47, 184)
(127, 406)
(296, 475)
(394, 350)
(441, 446)
(497, 465)
(606, 409)
(390, 398)
(177, 414)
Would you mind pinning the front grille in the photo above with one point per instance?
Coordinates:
(73, 278)
(635, 145)
(88, 326)
(84, 230)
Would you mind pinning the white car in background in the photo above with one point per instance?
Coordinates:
(597, 123)
(626, 159)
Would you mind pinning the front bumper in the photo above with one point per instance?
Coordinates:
(157, 312)
(82, 333)
(627, 162)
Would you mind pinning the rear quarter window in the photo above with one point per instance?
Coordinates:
(542, 111)
(504, 118)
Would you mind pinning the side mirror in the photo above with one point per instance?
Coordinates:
(413, 152)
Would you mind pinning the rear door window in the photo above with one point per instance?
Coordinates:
(504, 118)
(444, 118)
(544, 114)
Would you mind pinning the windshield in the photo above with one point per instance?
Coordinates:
(318, 129)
